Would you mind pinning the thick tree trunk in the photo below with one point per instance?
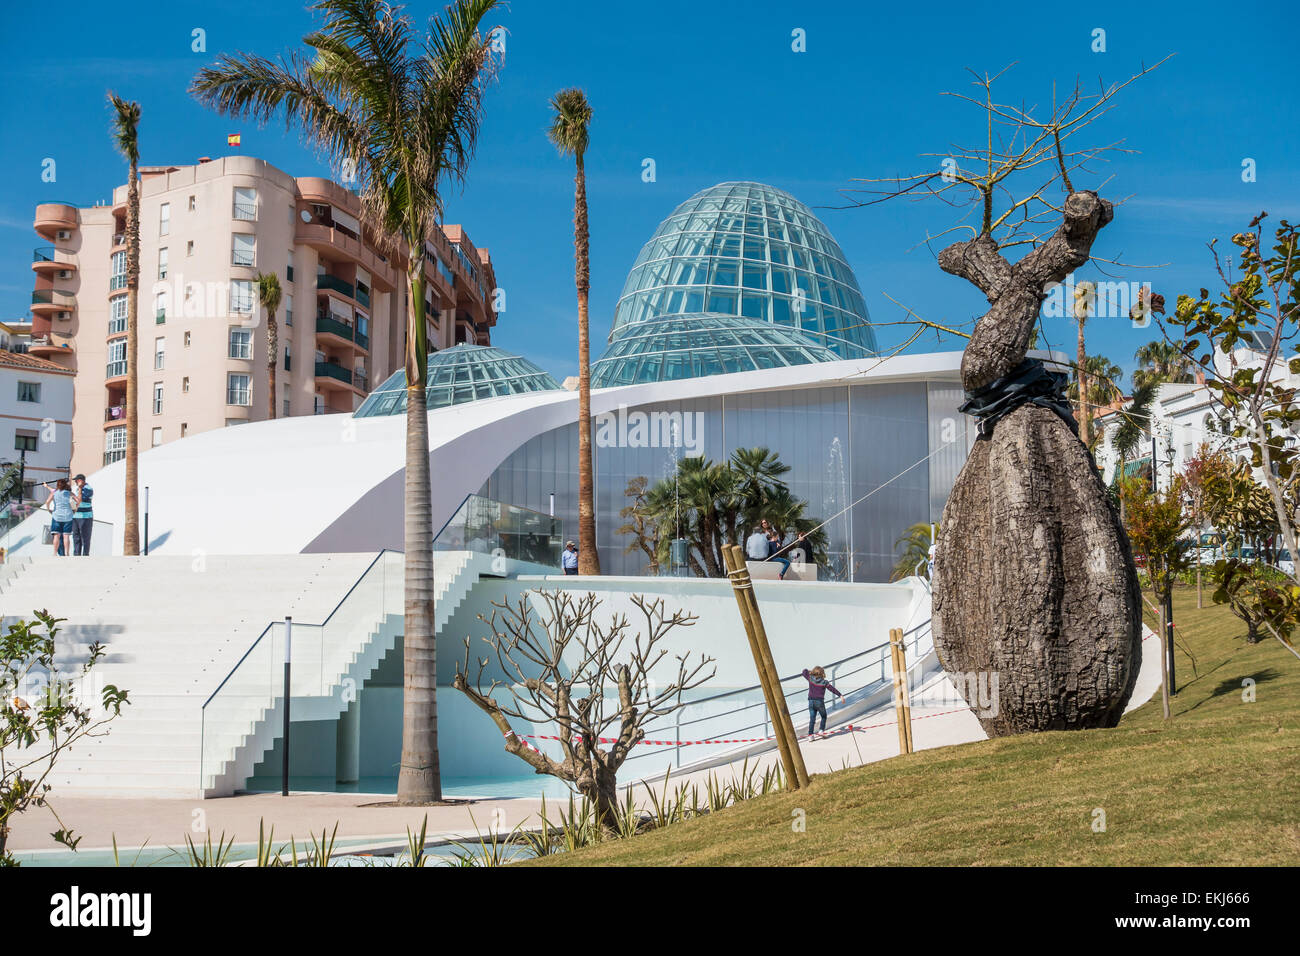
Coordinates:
(272, 349)
(588, 559)
(418, 779)
(1034, 581)
(601, 788)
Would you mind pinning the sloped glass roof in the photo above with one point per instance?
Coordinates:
(689, 346)
(463, 373)
(751, 251)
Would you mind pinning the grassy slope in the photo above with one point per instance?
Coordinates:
(1214, 785)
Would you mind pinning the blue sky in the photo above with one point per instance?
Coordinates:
(714, 92)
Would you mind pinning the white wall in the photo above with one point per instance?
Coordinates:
(50, 419)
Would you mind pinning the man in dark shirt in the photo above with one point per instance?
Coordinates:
(83, 517)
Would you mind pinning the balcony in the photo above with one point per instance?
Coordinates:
(48, 259)
(47, 345)
(362, 340)
(49, 301)
(363, 298)
(119, 239)
(332, 376)
(115, 414)
(334, 284)
(51, 217)
(329, 326)
(115, 369)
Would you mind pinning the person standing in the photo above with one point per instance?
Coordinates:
(83, 518)
(818, 685)
(569, 558)
(60, 503)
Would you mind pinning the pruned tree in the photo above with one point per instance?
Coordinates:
(42, 715)
(560, 665)
(1034, 579)
(640, 524)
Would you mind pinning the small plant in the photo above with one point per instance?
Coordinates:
(265, 842)
(496, 850)
(416, 855)
(208, 854)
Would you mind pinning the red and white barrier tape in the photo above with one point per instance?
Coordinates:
(848, 728)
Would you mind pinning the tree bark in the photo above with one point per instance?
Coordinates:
(418, 779)
(588, 559)
(131, 483)
(272, 349)
(1084, 416)
(1034, 580)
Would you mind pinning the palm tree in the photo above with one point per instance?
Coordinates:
(916, 542)
(759, 472)
(404, 111)
(268, 291)
(569, 132)
(1101, 374)
(1161, 361)
(126, 129)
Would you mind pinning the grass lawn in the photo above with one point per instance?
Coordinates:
(1214, 785)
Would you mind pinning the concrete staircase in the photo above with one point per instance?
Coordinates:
(176, 629)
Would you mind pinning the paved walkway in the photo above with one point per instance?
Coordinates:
(939, 718)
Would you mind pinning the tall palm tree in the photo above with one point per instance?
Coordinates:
(1101, 374)
(1161, 361)
(126, 130)
(404, 111)
(569, 132)
(268, 291)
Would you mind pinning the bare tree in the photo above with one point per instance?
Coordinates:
(558, 667)
(1034, 579)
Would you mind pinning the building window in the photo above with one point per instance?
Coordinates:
(117, 315)
(115, 444)
(241, 343)
(238, 391)
(116, 366)
(162, 263)
(245, 203)
(160, 308)
(157, 437)
(157, 398)
(185, 428)
(288, 272)
(288, 361)
(187, 339)
(243, 249)
(185, 384)
(24, 440)
(241, 295)
(286, 408)
(318, 405)
(164, 219)
(189, 247)
(159, 353)
(118, 278)
(288, 310)
(192, 206)
(29, 391)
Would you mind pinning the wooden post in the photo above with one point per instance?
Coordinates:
(780, 713)
(739, 582)
(902, 704)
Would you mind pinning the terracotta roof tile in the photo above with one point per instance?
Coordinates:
(23, 360)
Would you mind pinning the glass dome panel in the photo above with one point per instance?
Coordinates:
(463, 373)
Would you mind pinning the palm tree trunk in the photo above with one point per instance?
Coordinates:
(131, 518)
(588, 559)
(418, 780)
(272, 349)
(1085, 423)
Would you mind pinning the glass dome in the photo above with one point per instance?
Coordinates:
(689, 346)
(462, 373)
(753, 251)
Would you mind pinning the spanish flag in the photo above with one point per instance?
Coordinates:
(232, 139)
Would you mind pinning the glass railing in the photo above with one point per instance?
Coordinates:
(43, 254)
(52, 297)
(331, 370)
(362, 340)
(337, 284)
(363, 297)
(334, 327)
(502, 530)
(245, 713)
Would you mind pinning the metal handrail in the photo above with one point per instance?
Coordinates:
(331, 614)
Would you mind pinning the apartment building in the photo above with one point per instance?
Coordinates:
(35, 418)
(206, 231)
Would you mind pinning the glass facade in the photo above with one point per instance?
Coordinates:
(463, 373)
(752, 251)
(870, 460)
(689, 346)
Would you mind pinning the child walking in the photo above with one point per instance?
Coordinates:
(818, 685)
